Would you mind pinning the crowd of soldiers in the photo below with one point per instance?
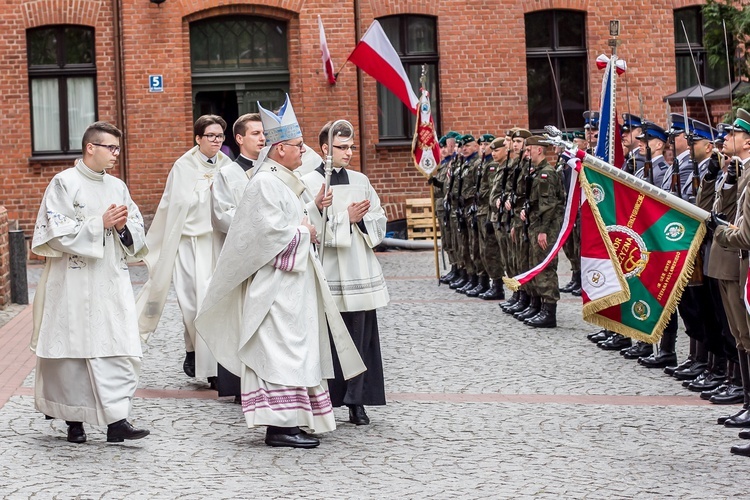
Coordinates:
(500, 205)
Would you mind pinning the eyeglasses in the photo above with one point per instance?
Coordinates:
(115, 150)
(346, 148)
(300, 145)
(214, 137)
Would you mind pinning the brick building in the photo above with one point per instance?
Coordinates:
(64, 63)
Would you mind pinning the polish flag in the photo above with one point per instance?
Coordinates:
(375, 55)
(326, 55)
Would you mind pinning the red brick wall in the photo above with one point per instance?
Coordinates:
(4, 259)
(482, 77)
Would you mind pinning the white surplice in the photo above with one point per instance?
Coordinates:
(226, 193)
(264, 315)
(182, 249)
(85, 329)
(353, 272)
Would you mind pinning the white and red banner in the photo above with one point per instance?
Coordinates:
(425, 148)
(326, 55)
(375, 55)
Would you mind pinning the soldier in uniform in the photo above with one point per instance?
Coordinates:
(572, 246)
(591, 129)
(457, 219)
(439, 183)
(479, 208)
(472, 161)
(489, 248)
(544, 213)
(630, 129)
(505, 155)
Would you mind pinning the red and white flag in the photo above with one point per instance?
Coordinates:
(326, 55)
(375, 55)
(425, 148)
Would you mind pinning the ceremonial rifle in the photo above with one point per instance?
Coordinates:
(474, 209)
(460, 208)
(448, 194)
(503, 183)
(513, 189)
(675, 184)
(527, 202)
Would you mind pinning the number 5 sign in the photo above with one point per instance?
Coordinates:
(155, 83)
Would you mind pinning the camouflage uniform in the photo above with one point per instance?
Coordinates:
(468, 193)
(440, 188)
(497, 193)
(457, 226)
(489, 250)
(572, 246)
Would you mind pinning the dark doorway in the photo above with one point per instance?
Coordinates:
(222, 103)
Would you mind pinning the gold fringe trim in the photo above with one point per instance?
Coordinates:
(512, 283)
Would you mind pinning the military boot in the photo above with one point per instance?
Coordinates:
(521, 304)
(449, 276)
(535, 304)
(570, 285)
(512, 300)
(615, 343)
(742, 419)
(666, 356)
(494, 292)
(473, 281)
(547, 317)
(577, 290)
(482, 286)
(460, 280)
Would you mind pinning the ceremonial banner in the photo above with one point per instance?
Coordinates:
(375, 55)
(638, 249)
(326, 55)
(424, 147)
(608, 147)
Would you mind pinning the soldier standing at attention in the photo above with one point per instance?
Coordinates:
(440, 182)
(489, 248)
(480, 210)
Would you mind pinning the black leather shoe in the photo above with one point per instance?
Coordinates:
(712, 381)
(122, 430)
(568, 286)
(76, 434)
(477, 290)
(742, 449)
(213, 383)
(547, 317)
(691, 372)
(724, 418)
(529, 312)
(741, 420)
(601, 335)
(699, 379)
(521, 304)
(301, 440)
(577, 291)
(660, 361)
(615, 343)
(495, 292)
(706, 395)
(732, 395)
(512, 300)
(188, 366)
(460, 280)
(669, 370)
(638, 350)
(357, 415)
(448, 277)
(744, 434)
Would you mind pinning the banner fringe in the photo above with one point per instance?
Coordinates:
(512, 283)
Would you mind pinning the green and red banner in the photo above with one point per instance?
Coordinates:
(638, 250)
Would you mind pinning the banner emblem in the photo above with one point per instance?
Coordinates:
(674, 231)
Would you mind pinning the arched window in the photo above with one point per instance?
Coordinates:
(62, 83)
(558, 36)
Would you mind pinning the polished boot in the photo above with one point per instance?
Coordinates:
(742, 419)
(577, 290)
(473, 281)
(521, 304)
(670, 370)
(357, 415)
(615, 343)
(666, 356)
(462, 277)
(731, 395)
(638, 350)
(600, 336)
(76, 434)
(512, 300)
(724, 418)
(744, 435)
(707, 395)
(570, 285)
(659, 360)
(547, 317)
(449, 276)
(710, 382)
(482, 286)
(741, 449)
(122, 430)
(290, 437)
(495, 291)
(535, 305)
(188, 366)
(691, 372)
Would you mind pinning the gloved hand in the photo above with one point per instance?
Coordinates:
(713, 168)
(570, 156)
(489, 227)
(732, 170)
(715, 221)
(433, 181)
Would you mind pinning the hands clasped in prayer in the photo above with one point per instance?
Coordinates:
(115, 216)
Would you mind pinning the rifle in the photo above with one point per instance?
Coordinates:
(447, 197)
(460, 208)
(696, 180)
(527, 203)
(503, 183)
(512, 194)
(648, 168)
(675, 186)
(474, 209)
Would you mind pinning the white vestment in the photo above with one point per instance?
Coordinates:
(85, 330)
(352, 270)
(229, 185)
(277, 342)
(181, 246)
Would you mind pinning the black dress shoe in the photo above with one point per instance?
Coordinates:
(639, 350)
(615, 343)
(669, 370)
(699, 379)
(188, 366)
(744, 434)
(724, 418)
(741, 420)
(742, 449)
(732, 395)
(706, 395)
(659, 361)
(712, 381)
(691, 372)
(76, 434)
(357, 415)
(301, 440)
(601, 336)
(122, 430)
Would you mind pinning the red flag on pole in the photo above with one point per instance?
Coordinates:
(425, 147)
(326, 55)
(375, 55)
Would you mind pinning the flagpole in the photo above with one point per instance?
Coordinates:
(423, 85)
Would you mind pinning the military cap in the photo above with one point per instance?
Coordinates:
(536, 140)
(741, 122)
(520, 132)
(702, 130)
(465, 139)
(510, 131)
(579, 134)
(678, 124)
(629, 122)
(722, 130)
(452, 134)
(652, 131)
(486, 138)
(443, 141)
(497, 143)
(591, 119)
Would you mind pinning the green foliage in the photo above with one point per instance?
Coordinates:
(737, 19)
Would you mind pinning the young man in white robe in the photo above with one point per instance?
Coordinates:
(265, 311)
(85, 330)
(356, 225)
(181, 244)
(226, 194)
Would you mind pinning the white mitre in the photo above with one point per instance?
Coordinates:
(278, 128)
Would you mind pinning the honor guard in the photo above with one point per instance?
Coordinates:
(489, 248)
(440, 182)
(630, 129)
(591, 128)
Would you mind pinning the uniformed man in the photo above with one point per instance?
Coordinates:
(544, 212)
(498, 196)
(591, 128)
(440, 182)
(470, 242)
(630, 129)
(489, 248)
(458, 226)
(652, 141)
(572, 246)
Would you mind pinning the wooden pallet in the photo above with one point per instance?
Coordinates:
(419, 219)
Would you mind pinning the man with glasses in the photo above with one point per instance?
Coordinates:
(356, 225)
(181, 242)
(85, 330)
(265, 312)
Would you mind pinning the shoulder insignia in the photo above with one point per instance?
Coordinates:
(544, 176)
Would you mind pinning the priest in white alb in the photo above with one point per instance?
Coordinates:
(85, 331)
(355, 225)
(181, 244)
(266, 310)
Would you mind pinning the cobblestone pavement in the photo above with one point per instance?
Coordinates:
(480, 406)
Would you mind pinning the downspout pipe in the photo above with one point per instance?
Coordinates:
(119, 87)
